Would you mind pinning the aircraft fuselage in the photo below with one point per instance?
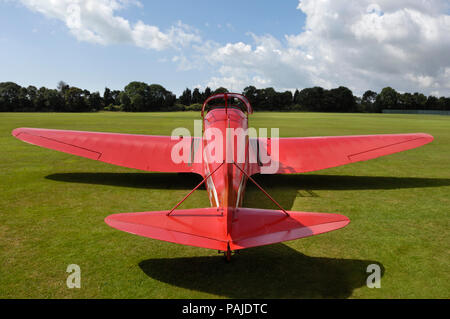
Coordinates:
(226, 186)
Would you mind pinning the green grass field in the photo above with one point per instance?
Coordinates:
(52, 207)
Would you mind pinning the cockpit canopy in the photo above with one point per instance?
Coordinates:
(227, 101)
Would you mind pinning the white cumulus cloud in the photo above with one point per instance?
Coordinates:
(362, 44)
(96, 21)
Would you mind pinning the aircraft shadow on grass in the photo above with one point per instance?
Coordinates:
(288, 186)
(273, 271)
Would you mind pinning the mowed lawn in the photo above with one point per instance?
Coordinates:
(52, 207)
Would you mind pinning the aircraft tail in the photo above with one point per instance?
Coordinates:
(207, 227)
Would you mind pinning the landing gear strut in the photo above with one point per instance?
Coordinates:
(227, 253)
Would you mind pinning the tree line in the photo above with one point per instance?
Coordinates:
(142, 97)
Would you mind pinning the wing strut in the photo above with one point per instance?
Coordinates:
(262, 189)
(200, 184)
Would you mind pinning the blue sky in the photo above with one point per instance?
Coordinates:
(285, 44)
(41, 51)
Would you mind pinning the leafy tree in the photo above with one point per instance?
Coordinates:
(250, 92)
(387, 99)
(220, 90)
(75, 100)
(137, 92)
(405, 101)
(197, 97)
(108, 97)
(207, 93)
(186, 97)
(311, 98)
(125, 102)
(266, 99)
(159, 98)
(95, 101)
(115, 95)
(139, 96)
(50, 100)
(31, 96)
(295, 98)
(368, 101)
(419, 101)
(9, 96)
(432, 103)
(282, 100)
(341, 99)
(444, 103)
(62, 87)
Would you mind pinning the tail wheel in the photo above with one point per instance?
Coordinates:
(228, 255)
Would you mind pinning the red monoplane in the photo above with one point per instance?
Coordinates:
(226, 226)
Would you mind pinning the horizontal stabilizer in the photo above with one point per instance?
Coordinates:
(201, 227)
(256, 227)
(207, 227)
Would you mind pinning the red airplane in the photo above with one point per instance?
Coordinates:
(226, 226)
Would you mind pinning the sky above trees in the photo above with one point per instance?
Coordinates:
(360, 44)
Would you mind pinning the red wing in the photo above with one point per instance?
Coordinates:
(305, 154)
(145, 152)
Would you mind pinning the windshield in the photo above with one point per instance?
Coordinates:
(227, 100)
